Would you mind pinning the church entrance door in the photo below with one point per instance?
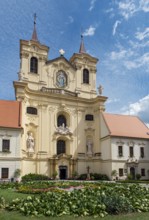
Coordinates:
(63, 172)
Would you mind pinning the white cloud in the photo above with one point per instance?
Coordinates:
(115, 26)
(92, 5)
(137, 45)
(121, 54)
(129, 58)
(144, 5)
(90, 31)
(138, 62)
(140, 109)
(70, 20)
(118, 55)
(112, 101)
(142, 35)
(127, 8)
(131, 64)
(111, 12)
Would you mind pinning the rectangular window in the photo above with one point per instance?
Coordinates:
(142, 152)
(142, 172)
(5, 145)
(120, 151)
(89, 117)
(32, 110)
(131, 152)
(4, 173)
(121, 172)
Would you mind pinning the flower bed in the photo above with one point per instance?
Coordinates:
(89, 200)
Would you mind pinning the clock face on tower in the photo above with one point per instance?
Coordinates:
(61, 79)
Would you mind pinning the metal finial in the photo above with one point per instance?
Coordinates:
(82, 47)
(34, 35)
(35, 16)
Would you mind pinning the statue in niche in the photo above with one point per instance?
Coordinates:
(30, 143)
(89, 147)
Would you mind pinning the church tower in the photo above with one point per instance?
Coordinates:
(33, 56)
(85, 72)
(60, 110)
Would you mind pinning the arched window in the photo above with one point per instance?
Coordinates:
(86, 76)
(31, 110)
(89, 117)
(61, 120)
(61, 148)
(34, 65)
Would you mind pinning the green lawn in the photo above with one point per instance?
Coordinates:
(10, 194)
(16, 216)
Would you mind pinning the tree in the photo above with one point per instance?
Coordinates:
(17, 174)
(114, 174)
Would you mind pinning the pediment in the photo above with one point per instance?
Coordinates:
(61, 62)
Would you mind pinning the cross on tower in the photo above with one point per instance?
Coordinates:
(35, 16)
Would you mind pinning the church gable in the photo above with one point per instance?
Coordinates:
(61, 61)
(59, 73)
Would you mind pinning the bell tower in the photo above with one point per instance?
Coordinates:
(33, 56)
(85, 72)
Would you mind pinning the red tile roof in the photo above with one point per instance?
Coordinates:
(126, 126)
(10, 114)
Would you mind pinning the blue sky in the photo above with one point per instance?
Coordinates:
(115, 31)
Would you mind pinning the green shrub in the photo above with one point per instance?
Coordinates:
(94, 176)
(33, 177)
(138, 176)
(2, 203)
(83, 176)
(7, 185)
(116, 204)
(129, 176)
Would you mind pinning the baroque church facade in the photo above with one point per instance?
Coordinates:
(64, 128)
(60, 110)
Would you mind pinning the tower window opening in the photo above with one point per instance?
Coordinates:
(34, 65)
(86, 76)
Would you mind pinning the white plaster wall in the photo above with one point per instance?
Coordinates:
(12, 159)
(121, 162)
(136, 143)
(106, 168)
(14, 137)
(106, 149)
(12, 165)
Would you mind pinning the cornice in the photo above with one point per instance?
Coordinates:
(82, 56)
(98, 99)
(36, 43)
